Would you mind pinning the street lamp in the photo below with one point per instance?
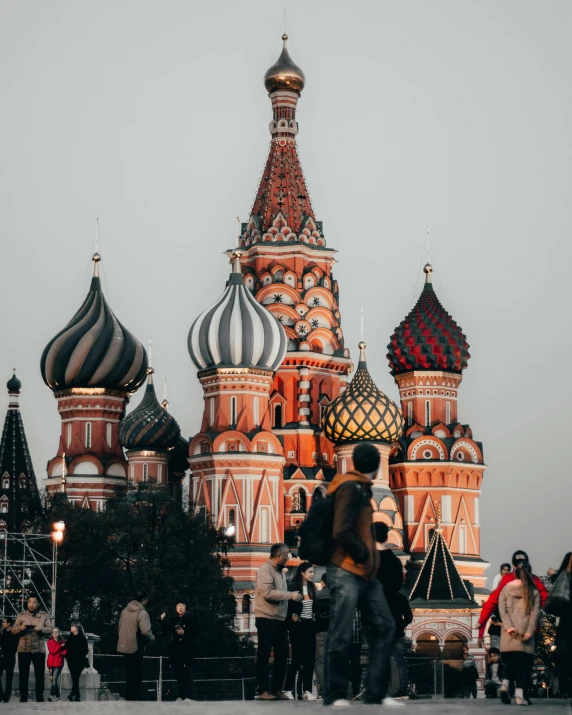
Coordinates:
(57, 537)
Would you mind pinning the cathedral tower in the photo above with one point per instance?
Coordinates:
(19, 495)
(235, 460)
(289, 269)
(363, 413)
(438, 464)
(92, 366)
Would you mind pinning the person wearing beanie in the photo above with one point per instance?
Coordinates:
(353, 583)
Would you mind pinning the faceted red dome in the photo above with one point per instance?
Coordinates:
(428, 338)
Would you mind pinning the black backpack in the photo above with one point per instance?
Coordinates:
(316, 541)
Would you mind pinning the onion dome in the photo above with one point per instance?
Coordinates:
(149, 426)
(428, 338)
(284, 75)
(237, 331)
(94, 349)
(13, 384)
(362, 413)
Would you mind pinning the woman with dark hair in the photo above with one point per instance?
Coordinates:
(563, 641)
(302, 629)
(519, 608)
(77, 650)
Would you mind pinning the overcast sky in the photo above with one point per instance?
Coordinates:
(457, 115)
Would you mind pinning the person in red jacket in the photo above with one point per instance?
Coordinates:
(520, 558)
(56, 653)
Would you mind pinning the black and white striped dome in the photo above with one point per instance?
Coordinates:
(237, 331)
(94, 349)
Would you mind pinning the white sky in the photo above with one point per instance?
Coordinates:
(153, 115)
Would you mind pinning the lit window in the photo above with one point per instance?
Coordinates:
(88, 434)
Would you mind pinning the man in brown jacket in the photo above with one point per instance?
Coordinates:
(32, 625)
(270, 610)
(353, 583)
(134, 632)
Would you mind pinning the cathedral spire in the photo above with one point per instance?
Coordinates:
(282, 194)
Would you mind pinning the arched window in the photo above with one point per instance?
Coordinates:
(277, 415)
(448, 413)
(427, 413)
(109, 435)
(69, 430)
(233, 411)
(88, 434)
(410, 413)
(256, 411)
(246, 603)
(22, 482)
(4, 508)
(231, 517)
(278, 276)
(462, 539)
(5, 483)
(145, 472)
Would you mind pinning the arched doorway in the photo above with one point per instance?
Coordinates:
(453, 649)
(427, 646)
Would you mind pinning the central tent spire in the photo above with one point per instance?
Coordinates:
(282, 195)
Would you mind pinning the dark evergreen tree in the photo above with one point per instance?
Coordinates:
(144, 540)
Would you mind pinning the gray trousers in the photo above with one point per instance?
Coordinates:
(319, 665)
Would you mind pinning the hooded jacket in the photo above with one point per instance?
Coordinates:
(134, 625)
(353, 533)
(32, 640)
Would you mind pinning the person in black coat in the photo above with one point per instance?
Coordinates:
(390, 574)
(302, 630)
(76, 656)
(8, 647)
(181, 632)
(563, 640)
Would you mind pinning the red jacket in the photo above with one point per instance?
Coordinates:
(492, 602)
(56, 652)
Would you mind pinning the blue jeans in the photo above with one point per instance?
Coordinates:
(348, 592)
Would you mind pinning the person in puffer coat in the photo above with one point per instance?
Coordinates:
(56, 652)
(134, 632)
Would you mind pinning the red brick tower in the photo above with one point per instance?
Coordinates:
(92, 366)
(438, 462)
(236, 462)
(288, 268)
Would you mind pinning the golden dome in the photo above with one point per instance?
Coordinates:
(362, 413)
(284, 74)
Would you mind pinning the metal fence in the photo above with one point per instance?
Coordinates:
(214, 678)
(233, 678)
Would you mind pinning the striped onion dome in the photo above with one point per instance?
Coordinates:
(428, 338)
(237, 331)
(362, 413)
(149, 426)
(94, 349)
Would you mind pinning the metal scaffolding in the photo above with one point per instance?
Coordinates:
(28, 566)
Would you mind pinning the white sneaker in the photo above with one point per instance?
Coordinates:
(390, 703)
(341, 703)
(288, 694)
(308, 695)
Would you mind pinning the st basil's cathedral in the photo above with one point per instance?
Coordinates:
(281, 415)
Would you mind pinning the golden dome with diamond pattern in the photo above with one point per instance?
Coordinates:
(363, 413)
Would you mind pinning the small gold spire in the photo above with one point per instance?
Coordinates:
(438, 528)
(428, 270)
(362, 346)
(96, 258)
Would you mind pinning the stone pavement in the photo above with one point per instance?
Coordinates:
(253, 707)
